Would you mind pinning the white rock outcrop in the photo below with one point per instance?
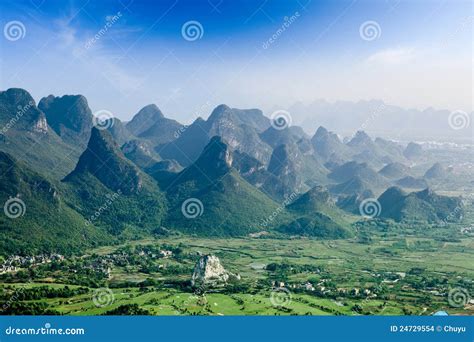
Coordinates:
(209, 271)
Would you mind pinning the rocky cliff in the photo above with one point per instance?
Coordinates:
(210, 272)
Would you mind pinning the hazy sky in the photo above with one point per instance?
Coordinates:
(247, 54)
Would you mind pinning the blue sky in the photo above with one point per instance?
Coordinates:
(257, 53)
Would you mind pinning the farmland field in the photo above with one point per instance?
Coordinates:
(389, 276)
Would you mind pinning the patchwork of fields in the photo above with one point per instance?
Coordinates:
(389, 276)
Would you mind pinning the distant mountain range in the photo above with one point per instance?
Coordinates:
(378, 117)
(231, 175)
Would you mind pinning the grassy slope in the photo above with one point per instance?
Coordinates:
(46, 154)
(232, 207)
(141, 212)
(47, 224)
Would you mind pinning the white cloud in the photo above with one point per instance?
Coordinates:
(96, 59)
(392, 56)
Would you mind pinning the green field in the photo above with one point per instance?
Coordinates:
(410, 275)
